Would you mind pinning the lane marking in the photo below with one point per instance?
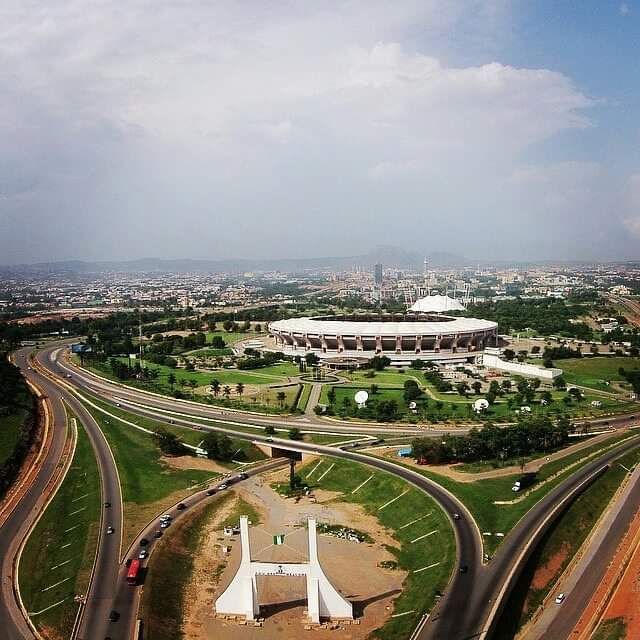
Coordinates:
(430, 566)
(416, 520)
(61, 564)
(314, 469)
(73, 513)
(362, 484)
(386, 504)
(55, 585)
(333, 464)
(404, 613)
(71, 528)
(51, 606)
(426, 535)
(80, 498)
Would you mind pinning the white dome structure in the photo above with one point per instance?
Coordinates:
(437, 304)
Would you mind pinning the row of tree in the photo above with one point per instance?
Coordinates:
(531, 435)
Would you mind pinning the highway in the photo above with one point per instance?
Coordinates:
(471, 598)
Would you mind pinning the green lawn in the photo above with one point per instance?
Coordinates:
(594, 372)
(479, 496)
(304, 397)
(149, 485)
(57, 560)
(231, 337)
(437, 551)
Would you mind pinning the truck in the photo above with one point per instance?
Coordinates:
(525, 481)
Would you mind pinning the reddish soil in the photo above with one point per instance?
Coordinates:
(549, 571)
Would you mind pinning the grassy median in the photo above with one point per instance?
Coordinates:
(58, 557)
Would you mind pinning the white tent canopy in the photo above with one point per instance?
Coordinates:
(437, 304)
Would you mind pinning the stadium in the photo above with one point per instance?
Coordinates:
(424, 332)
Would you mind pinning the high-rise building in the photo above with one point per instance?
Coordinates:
(378, 274)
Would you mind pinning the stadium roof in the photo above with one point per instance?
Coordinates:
(437, 304)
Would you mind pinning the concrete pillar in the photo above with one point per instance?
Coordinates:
(340, 344)
(359, 346)
(323, 343)
(307, 341)
(398, 344)
(418, 344)
(436, 346)
(379, 348)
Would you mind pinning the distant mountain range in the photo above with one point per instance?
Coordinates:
(387, 255)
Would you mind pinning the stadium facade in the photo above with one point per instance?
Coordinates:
(401, 337)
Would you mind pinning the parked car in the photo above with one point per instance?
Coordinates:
(114, 616)
(157, 534)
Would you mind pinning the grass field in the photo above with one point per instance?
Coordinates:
(57, 560)
(412, 515)
(231, 337)
(479, 496)
(562, 542)
(304, 397)
(148, 484)
(594, 372)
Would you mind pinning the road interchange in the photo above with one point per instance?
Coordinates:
(472, 600)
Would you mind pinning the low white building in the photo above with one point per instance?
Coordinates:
(520, 368)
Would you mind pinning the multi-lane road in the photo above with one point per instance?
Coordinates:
(473, 598)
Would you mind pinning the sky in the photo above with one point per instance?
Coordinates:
(491, 129)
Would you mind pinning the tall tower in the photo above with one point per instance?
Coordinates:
(377, 274)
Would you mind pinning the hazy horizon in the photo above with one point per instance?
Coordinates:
(489, 129)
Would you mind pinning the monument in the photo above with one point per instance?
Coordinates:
(241, 596)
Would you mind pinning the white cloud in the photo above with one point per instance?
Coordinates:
(319, 115)
(624, 9)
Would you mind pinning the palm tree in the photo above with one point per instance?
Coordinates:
(171, 379)
(215, 387)
(226, 391)
(240, 388)
(281, 396)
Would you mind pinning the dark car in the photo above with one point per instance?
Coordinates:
(129, 561)
(181, 507)
(114, 616)
(144, 542)
(464, 568)
(157, 534)
(243, 476)
(211, 492)
(456, 516)
(107, 505)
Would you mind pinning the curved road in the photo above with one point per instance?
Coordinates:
(471, 596)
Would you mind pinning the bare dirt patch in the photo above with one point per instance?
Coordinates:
(353, 568)
(549, 571)
(191, 462)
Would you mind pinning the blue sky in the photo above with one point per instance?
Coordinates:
(487, 128)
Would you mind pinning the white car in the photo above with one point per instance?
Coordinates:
(560, 598)
(143, 554)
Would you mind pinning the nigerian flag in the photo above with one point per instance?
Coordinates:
(279, 539)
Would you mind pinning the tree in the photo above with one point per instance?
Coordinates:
(462, 388)
(257, 328)
(311, 359)
(240, 388)
(168, 442)
(218, 446)
(229, 325)
(373, 389)
(506, 385)
(215, 387)
(226, 391)
(331, 395)
(171, 379)
(476, 386)
(281, 397)
(294, 434)
(269, 430)
(509, 354)
(411, 391)
(559, 383)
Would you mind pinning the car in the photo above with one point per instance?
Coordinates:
(117, 404)
(128, 562)
(269, 439)
(164, 524)
(456, 516)
(143, 554)
(144, 542)
(165, 518)
(211, 492)
(243, 476)
(157, 534)
(114, 616)
(223, 486)
(181, 507)
(110, 530)
(68, 375)
(107, 505)
(560, 598)
(464, 568)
